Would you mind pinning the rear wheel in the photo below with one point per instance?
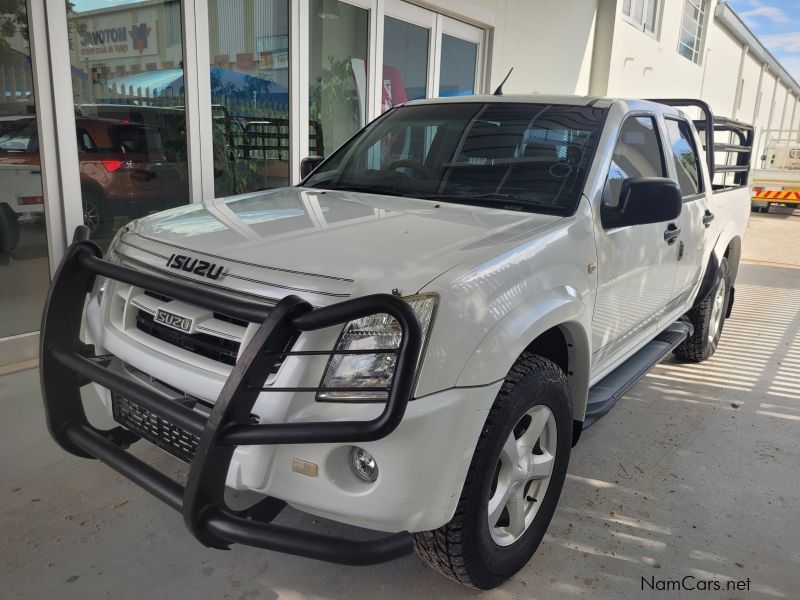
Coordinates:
(514, 482)
(708, 317)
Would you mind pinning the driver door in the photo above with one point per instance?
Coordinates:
(636, 266)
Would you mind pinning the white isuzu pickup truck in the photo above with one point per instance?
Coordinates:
(412, 339)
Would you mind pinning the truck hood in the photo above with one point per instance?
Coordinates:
(324, 246)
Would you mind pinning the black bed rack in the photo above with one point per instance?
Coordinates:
(709, 125)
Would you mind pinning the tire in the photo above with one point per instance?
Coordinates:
(9, 228)
(708, 318)
(467, 549)
(96, 215)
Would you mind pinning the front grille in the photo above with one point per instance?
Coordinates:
(210, 346)
(158, 431)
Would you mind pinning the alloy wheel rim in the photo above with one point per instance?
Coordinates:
(522, 476)
(91, 218)
(716, 312)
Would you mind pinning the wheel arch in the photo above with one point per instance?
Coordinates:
(87, 185)
(554, 325)
(733, 252)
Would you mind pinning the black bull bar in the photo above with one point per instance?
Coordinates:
(66, 364)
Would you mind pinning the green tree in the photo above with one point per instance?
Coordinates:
(14, 20)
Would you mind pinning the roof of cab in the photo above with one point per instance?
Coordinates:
(564, 99)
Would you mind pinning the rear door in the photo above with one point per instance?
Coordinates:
(635, 265)
(695, 221)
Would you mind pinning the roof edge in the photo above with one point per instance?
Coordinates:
(734, 23)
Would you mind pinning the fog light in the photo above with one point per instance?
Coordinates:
(364, 465)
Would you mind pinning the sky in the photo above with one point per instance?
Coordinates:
(777, 25)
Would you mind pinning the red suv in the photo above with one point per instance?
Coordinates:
(123, 168)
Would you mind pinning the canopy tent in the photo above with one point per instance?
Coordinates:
(225, 83)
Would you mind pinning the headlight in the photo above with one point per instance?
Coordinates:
(376, 332)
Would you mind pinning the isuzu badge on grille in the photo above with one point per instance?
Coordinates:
(172, 320)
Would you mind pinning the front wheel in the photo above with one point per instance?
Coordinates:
(707, 318)
(513, 483)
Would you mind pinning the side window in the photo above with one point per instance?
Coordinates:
(85, 142)
(687, 161)
(637, 154)
(18, 136)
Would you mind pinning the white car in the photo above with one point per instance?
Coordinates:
(412, 339)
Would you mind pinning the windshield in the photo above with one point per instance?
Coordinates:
(532, 157)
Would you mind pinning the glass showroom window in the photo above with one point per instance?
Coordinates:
(459, 62)
(128, 89)
(405, 62)
(693, 23)
(24, 265)
(338, 45)
(643, 13)
(249, 58)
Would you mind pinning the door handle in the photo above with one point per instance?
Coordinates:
(671, 234)
(707, 218)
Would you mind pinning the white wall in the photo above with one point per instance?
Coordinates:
(586, 46)
(646, 67)
(750, 91)
(548, 42)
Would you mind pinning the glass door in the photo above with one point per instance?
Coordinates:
(249, 76)
(460, 58)
(129, 95)
(408, 52)
(338, 47)
(24, 262)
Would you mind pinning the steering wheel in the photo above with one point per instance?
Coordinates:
(414, 165)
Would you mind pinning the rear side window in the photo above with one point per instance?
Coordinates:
(18, 136)
(687, 161)
(136, 139)
(85, 141)
(638, 153)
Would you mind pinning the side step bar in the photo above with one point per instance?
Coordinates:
(605, 393)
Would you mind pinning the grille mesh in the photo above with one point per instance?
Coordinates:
(210, 346)
(154, 429)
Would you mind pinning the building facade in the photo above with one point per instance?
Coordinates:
(110, 110)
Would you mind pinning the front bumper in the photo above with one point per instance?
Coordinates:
(66, 365)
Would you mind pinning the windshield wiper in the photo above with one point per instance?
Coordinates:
(386, 190)
(490, 200)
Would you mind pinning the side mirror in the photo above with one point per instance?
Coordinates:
(308, 164)
(644, 200)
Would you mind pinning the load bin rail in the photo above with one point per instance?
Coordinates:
(739, 145)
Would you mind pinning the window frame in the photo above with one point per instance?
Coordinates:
(664, 165)
(700, 172)
(642, 25)
(699, 34)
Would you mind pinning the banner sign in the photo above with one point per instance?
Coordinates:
(115, 36)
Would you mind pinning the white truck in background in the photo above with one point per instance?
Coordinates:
(412, 339)
(776, 176)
